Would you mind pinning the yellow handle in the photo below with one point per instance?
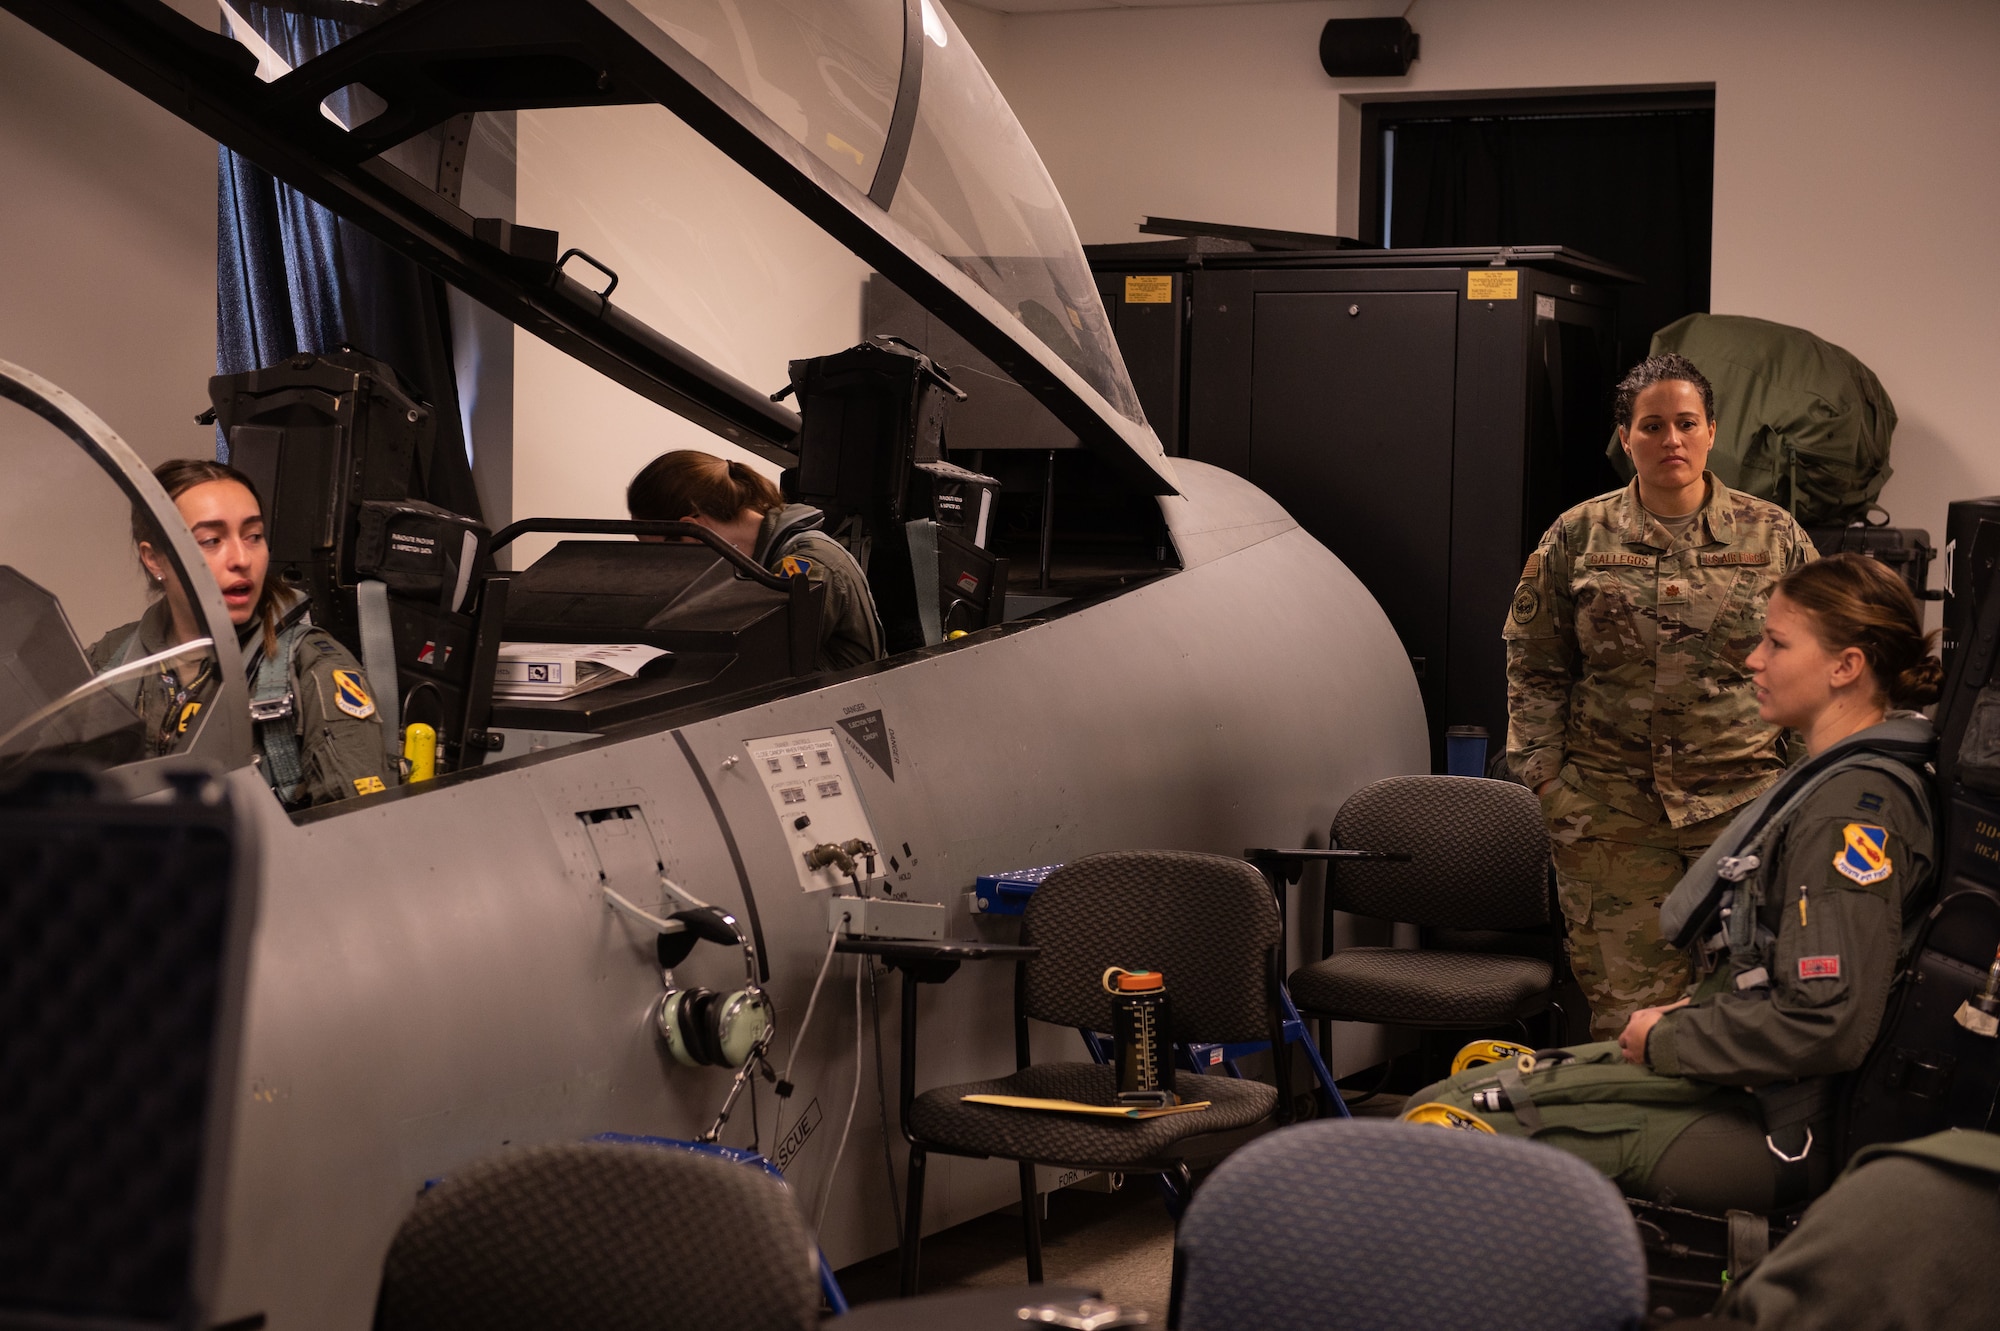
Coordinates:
(420, 746)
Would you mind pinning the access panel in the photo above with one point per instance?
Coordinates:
(1351, 422)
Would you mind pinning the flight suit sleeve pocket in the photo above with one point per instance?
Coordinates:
(1814, 968)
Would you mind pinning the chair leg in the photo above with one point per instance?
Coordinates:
(913, 1221)
(1031, 1222)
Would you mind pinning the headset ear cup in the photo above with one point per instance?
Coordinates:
(673, 1007)
(742, 1018)
(689, 1023)
(708, 1007)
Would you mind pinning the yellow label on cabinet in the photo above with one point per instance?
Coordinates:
(1151, 289)
(1493, 284)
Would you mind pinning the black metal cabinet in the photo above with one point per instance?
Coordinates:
(1424, 414)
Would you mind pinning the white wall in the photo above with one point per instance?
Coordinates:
(107, 288)
(1855, 187)
(704, 253)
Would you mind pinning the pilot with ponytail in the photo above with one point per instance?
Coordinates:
(318, 733)
(1794, 924)
(745, 509)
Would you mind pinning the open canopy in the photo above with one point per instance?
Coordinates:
(876, 121)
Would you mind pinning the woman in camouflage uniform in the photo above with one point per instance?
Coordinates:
(324, 741)
(1630, 711)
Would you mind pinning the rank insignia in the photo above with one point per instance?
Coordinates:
(793, 565)
(1864, 854)
(350, 695)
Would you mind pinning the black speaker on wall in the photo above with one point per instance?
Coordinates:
(1354, 48)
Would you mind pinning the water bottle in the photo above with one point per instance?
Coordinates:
(1143, 1034)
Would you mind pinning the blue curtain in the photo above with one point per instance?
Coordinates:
(291, 277)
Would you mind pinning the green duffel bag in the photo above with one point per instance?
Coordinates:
(1800, 421)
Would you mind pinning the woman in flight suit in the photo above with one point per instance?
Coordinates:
(1794, 922)
(746, 510)
(322, 740)
(1629, 704)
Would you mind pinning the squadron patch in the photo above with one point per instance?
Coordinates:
(1527, 604)
(793, 565)
(1864, 854)
(350, 695)
(1819, 968)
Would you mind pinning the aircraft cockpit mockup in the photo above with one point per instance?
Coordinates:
(472, 961)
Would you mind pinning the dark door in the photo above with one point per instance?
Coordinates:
(1351, 428)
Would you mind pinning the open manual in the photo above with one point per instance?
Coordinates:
(1079, 1107)
(565, 669)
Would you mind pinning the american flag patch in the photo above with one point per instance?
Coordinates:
(1819, 968)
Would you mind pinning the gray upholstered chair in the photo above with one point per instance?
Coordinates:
(1210, 924)
(1477, 880)
(1374, 1225)
(609, 1237)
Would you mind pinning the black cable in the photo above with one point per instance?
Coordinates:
(882, 1102)
(1381, 1082)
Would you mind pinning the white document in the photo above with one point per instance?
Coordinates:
(563, 669)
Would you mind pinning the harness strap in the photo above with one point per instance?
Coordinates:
(1791, 1110)
(378, 659)
(274, 709)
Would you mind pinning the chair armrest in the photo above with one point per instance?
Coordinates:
(925, 963)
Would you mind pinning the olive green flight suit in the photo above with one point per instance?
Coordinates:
(1810, 1006)
(1905, 1241)
(1626, 678)
(849, 633)
(334, 715)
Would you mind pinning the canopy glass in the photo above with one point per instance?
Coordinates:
(891, 99)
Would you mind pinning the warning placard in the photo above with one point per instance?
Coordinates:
(1149, 289)
(1493, 284)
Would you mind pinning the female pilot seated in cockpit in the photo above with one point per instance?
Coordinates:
(1794, 922)
(327, 744)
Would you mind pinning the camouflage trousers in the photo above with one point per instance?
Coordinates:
(1612, 873)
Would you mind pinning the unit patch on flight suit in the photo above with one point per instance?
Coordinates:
(1864, 854)
(1819, 968)
(1527, 604)
(793, 565)
(350, 695)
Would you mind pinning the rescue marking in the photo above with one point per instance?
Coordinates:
(789, 1148)
(1819, 968)
(1864, 854)
(350, 695)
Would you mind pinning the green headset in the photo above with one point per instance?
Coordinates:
(703, 1028)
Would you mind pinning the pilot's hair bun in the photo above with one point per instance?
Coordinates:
(1921, 684)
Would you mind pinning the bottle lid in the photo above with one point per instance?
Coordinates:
(1139, 982)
